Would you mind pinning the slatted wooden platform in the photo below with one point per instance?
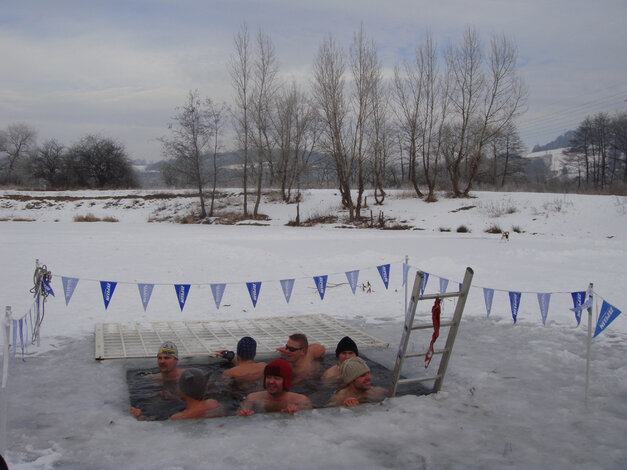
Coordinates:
(198, 338)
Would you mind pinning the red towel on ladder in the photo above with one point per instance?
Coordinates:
(435, 316)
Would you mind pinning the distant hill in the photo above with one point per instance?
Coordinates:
(561, 142)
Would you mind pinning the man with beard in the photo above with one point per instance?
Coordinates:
(277, 379)
(356, 376)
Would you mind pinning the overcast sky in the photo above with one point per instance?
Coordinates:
(119, 68)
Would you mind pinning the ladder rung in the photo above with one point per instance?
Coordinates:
(439, 351)
(422, 327)
(443, 295)
(419, 379)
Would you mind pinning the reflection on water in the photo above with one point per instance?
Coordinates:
(159, 401)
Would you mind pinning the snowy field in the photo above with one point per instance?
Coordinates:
(513, 396)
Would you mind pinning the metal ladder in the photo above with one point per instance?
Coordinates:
(453, 326)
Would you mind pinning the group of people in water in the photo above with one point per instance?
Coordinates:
(300, 362)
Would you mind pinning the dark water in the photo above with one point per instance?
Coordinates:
(159, 401)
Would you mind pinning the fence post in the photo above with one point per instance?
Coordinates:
(6, 326)
(589, 342)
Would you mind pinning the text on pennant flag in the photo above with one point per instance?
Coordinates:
(488, 296)
(353, 277)
(253, 289)
(424, 283)
(514, 300)
(69, 284)
(384, 272)
(145, 292)
(578, 298)
(287, 285)
(107, 288)
(218, 291)
(182, 290)
(543, 301)
(607, 315)
(321, 285)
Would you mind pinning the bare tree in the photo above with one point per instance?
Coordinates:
(486, 95)
(240, 69)
(102, 162)
(216, 121)
(190, 137)
(347, 118)
(15, 143)
(380, 140)
(47, 163)
(421, 92)
(264, 89)
(296, 131)
(328, 91)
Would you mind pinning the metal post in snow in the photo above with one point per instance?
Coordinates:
(6, 324)
(406, 282)
(589, 341)
(38, 294)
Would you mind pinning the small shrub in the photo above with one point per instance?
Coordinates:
(517, 229)
(463, 229)
(86, 218)
(493, 229)
(110, 219)
(498, 208)
(444, 229)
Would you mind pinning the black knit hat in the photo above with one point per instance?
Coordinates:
(346, 344)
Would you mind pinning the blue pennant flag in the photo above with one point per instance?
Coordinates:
(145, 291)
(488, 295)
(405, 271)
(47, 286)
(218, 291)
(384, 271)
(69, 284)
(424, 283)
(321, 285)
(543, 301)
(352, 277)
(443, 285)
(253, 290)
(287, 285)
(107, 288)
(578, 298)
(514, 300)
(181, 293)
(607, 315)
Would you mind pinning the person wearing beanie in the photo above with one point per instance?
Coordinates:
(192, 385)
(302, 356)
(192, 388)
(355, 374)
(277, 380)
(246, 369)
(345, 349)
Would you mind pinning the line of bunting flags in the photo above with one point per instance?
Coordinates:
(581, 301)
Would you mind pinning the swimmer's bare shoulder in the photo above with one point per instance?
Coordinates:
(303, 402)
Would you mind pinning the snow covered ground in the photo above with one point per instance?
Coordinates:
(513, 396)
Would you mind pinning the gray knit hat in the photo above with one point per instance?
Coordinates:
(352, 368)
